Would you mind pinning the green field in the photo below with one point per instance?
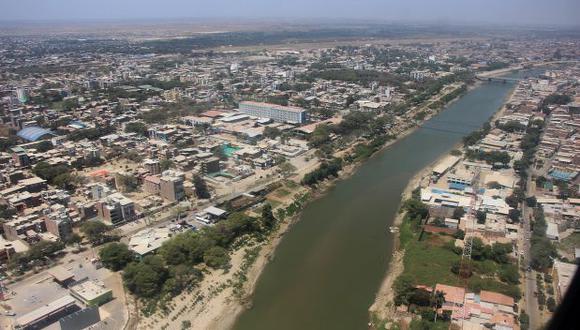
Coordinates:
(429, 261)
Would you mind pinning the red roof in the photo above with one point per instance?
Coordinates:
(212, 113)
(496, 298)
(102, 172)
(453, 294)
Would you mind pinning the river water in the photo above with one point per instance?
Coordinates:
(329, 266)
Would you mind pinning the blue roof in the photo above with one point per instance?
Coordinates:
(561, 175)
(457, 186)
(33, 133)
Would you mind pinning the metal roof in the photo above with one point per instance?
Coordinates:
(33, 133)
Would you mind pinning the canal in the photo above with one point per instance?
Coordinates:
(329, 266)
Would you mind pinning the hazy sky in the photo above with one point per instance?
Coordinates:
(540, 12)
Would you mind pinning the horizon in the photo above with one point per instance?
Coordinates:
(537, 13)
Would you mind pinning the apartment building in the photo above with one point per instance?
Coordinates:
(116, 209)
(293, 115)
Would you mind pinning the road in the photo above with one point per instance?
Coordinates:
(531, 302)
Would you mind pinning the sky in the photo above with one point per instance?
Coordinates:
(505, 12)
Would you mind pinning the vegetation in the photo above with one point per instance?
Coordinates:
(201, 190)
(433, 258)
(136, 127)
(115, 256)
(95, 231)
(177, 265)
(324, 171)
(542, 251)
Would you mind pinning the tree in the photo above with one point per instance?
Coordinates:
(271, 132)
(201, 190)
(136, 127)
(145, 278)
(44, 248)
(531, 201)
(509, 274)
(115, 256)
(524, 321)
(458, 213)
(128, 181)
(459, 234)
(481, 216)
(74, 239)
(514, 215)
(287, 169)
(437, 301)
(268, 219)
(166, 164)
(216, 257)
(551, 304)
(94, 230)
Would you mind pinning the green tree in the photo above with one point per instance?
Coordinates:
(268, 219)
(74, 239)
(136, 127)
(145, 278)
(201, 190)
(216, 257)
(481, 216)
(271, 132)
(458, 213)
(509, 273)
(94, 230)
(166, 164)
(115, 256)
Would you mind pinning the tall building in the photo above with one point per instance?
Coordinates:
(116, 209)
(152, 166)
(293, 115)
(22, 95)
(59, 223)
(171, 185)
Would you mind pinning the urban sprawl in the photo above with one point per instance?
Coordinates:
(144, 188)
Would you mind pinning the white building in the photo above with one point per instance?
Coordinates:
(293, 115)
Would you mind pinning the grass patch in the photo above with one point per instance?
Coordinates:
(430, 260)
(282, 192)
(427, 262)
(274, 203)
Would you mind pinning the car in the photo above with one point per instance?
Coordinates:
(9, 313)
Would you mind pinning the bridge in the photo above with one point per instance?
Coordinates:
(497, 79)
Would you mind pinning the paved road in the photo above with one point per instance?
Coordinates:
(531, 301)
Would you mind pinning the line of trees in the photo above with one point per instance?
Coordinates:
(178, 263)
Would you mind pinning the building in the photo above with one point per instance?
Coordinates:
(59, 223)
(563, 275)
(22, 95)
(210, 165)
(37, 318)
(149, 240)
(91, 293)
(116, 209)
(293, 115)
(171, 185)
(23, 227)
(152, 166)
(20, 157)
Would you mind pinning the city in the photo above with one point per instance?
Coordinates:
(382, 176)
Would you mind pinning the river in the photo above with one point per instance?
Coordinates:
(329, 266)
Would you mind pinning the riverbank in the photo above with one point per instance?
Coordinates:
(215, 304)
(383, 310)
